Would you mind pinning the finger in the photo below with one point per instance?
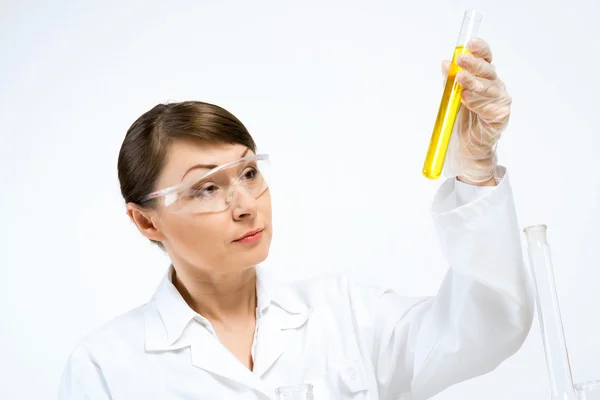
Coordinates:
(494, 113)
(480, 86)
(477, 66)
(479, 48)
(445, 67)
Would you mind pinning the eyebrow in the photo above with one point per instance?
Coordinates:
(211, 166)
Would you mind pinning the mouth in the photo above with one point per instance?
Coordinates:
(250, 236)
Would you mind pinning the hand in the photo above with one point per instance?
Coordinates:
(482, 118)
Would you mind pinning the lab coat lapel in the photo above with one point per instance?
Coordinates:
(274, 337)
(283, 312)
(210, 355)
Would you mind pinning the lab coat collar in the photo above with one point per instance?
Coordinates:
(277, 293)
(280, 311)
(169, 315)
(174, 311)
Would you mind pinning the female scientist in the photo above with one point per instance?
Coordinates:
(219, 328)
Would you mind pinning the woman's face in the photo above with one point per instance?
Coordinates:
(209, 242)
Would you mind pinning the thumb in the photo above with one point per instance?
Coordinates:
(445, 69)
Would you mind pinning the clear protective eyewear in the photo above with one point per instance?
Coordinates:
(214, 191)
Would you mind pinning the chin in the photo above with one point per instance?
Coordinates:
(259, 255)
(254, 256)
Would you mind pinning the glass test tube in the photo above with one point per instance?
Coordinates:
(551, 326)
(450, 103)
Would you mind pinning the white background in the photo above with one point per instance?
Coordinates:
(342, 95)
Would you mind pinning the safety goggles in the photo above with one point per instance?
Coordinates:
(214, 191)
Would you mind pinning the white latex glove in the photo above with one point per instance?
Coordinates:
(482, 118)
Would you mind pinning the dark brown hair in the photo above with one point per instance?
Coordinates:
(146, 144)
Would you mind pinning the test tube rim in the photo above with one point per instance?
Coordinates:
(538, 227)
(474, 14)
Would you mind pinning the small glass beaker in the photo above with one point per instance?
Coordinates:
(295, 392)
(588, 390)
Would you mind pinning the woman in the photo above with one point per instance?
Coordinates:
(219, 328)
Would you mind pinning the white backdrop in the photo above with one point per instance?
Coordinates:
(342, 95)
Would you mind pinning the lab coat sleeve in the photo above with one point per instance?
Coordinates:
(482, 312)
(82, 379)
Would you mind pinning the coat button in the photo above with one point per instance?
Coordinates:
(352, 373)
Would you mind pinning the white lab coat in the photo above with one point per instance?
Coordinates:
(349, 340)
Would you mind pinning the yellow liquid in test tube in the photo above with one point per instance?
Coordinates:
(444, 123)
(450, 103)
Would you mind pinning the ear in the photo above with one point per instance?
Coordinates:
(142, 219)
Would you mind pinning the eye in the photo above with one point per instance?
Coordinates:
(209, 190)
(204, 191)
(250, 173)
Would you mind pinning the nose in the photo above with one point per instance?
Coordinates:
(243, 203)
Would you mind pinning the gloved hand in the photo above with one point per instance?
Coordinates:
(482, 118)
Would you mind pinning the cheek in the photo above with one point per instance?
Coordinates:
(264, 206)
(195, 233)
